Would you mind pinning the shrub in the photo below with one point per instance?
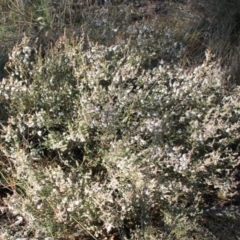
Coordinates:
(104, 143)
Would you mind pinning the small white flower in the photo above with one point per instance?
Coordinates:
(70, 209)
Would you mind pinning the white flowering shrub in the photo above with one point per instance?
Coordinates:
(103, 144)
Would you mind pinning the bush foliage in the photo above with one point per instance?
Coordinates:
(103, 142)
(126, 132)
